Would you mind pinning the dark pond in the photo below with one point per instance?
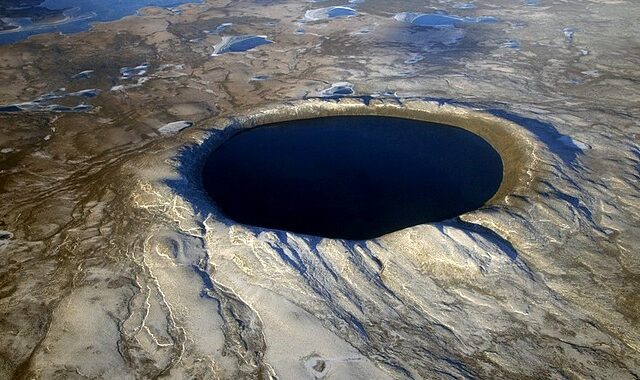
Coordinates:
(351, 177)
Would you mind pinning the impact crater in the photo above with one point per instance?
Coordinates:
(352, 176)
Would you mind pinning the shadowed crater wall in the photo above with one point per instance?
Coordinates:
(351, 177)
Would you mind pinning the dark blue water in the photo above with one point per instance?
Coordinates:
(237, 44)
(351, 177)
(23, 18)
(341, 12)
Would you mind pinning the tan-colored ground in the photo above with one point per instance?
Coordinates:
(113, 264)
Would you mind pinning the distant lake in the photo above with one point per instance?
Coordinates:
(24, 18)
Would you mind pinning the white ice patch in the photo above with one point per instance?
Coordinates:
(174, 127)
(43, 102)
(338, 89)
(573, 143)
(132, 72)
(83, 74)
(329, 12)
(569, 33)
(5, 236)
(139, 82)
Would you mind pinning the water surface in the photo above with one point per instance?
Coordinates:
(24, 18)
(352, 177)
